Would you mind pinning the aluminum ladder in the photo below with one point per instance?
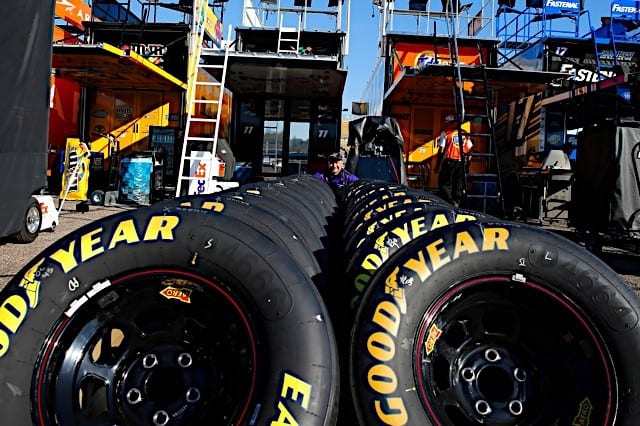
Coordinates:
(196, 170)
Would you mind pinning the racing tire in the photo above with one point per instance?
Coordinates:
(496, 323)
(30, 224)
(166, 316)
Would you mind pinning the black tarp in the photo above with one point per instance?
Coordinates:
(376, 149)
(25, 42)
(606, 193)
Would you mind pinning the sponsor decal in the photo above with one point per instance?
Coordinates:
(620, 9)
(181, 294)
(294, 391)
(565, 5)
(583, 418)
(432, 338)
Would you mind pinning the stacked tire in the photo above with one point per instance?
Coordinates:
(464, 319)
(202, 310)
(281, 302)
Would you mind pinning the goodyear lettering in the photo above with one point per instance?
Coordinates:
(93, 244)
(401, 235)
(296, 390)
(563, 4)
(215, 206)
(381, 377)
(14, 309)
(381, 346)
(624, 9)
(583, 418)
(392, 411)
(436, 254)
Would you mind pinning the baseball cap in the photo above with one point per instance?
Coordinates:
(336, 156)
(449, 118)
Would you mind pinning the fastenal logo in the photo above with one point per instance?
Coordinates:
(624, 9)
(563, 4)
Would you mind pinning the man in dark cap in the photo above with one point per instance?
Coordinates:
(335, 174)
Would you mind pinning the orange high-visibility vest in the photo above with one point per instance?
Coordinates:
(452, 145)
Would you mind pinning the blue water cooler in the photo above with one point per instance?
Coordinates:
(135, 179)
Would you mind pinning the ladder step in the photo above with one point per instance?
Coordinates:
(480, 135)
(482, 176)
(214, 66)
(468, 116)
(188, 157)
(207, 83)
(210, 50)
(203, 120)
(483, 154)
(205, 101)
(474, 97)
(492, 197)
(199, 138)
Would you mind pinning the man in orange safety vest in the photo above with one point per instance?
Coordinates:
(449, 164)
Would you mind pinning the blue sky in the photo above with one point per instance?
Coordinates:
(364, 36)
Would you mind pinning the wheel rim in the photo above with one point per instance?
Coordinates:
(150, 351)
(32, 219)
(493, 353)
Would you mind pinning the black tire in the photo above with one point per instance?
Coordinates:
(355, 238)
(188, 316)
(261, 220)
(30, 224)
(368, 212)
(97, 197)
(496, 323)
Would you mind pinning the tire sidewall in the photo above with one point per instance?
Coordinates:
(282, 301)
(563, 267)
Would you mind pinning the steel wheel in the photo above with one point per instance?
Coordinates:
(151, 353)
(492, 353)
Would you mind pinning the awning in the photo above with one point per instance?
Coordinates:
(289, 75)
(104, 66)
(433, 85)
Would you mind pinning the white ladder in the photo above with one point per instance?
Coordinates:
(289, 37)
(197, 167)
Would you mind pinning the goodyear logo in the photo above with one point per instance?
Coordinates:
(181, 294)
(15, 307)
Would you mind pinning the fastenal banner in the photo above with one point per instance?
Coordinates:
(625, 9)
(562, 6)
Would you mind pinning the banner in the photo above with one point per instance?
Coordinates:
(625, 9)
(73, 11)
